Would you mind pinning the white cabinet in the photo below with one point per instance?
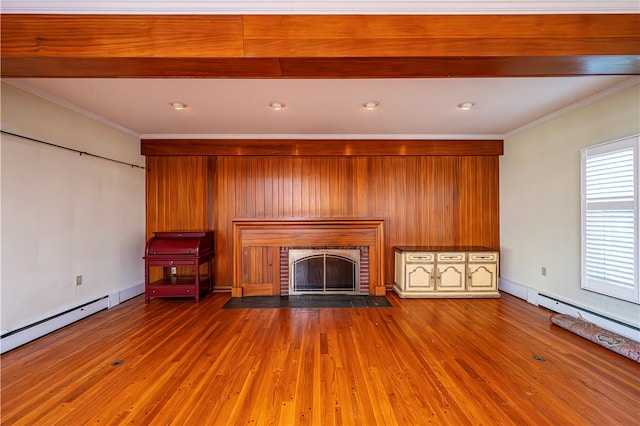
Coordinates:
(452, 272)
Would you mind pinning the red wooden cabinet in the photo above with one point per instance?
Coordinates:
(179, 264)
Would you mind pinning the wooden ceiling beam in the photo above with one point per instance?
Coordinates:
(318, 46)
(534, 66)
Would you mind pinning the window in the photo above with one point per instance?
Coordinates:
(610, 209)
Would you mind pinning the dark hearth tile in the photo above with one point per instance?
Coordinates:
(307, 301)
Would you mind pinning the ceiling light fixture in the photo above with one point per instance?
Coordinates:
(277, 106)
(179, 106)
(465, 106)
(371, 105)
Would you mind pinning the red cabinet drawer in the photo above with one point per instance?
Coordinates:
(172, 262)
(169, 290)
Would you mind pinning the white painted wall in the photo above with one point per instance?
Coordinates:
(65, 214)
(540, 200)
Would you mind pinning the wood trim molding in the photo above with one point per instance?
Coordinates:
(351, 46)
(470, 7)
(313, 147)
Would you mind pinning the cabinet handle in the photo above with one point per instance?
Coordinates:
(449, 257)
(483, 257)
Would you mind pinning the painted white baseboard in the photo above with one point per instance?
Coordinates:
(513, 289)
(13, 339)
(31, 332)
(565, 307)
(125, 294)
(561, 307)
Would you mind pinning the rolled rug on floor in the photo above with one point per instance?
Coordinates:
(608, 339)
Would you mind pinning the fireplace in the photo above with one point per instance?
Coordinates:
(256, 243)
(324, 271)
(360, 253)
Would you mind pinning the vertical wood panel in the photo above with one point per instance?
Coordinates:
(178, 193)
(425, 200)
(360, 179)
(287, 206)
(479, 192)
(296, 192)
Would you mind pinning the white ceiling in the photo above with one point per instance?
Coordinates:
(328, 108)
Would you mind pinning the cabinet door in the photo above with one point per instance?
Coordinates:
(419, 277)
(483, 276)
(451, 276)
(260, 271)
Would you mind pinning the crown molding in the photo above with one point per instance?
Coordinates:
(633, 81)
(369, 7)
(72, 107)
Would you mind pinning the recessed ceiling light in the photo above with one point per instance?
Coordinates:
(277, 105)
(465, 106)
(179, 106)
(371, 105)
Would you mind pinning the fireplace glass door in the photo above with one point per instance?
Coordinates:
(324, 271)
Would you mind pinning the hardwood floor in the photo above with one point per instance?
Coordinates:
(423, 361)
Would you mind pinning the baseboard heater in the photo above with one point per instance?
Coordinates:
(627, 330)
(28, 333)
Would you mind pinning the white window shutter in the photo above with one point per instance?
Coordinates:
(610, 254)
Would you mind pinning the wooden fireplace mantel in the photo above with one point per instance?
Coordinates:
(271, 234)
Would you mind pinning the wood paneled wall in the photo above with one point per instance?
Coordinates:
(425, 200)
(179, 193)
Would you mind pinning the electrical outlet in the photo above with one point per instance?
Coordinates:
(543, 271)
(174, 270)
(78, 279)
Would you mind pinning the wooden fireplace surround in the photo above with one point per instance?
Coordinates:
(277, 233)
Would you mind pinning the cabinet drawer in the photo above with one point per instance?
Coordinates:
(420, 257)
(171, 262)
(483, 257)
(451, 257)
(172, 290)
